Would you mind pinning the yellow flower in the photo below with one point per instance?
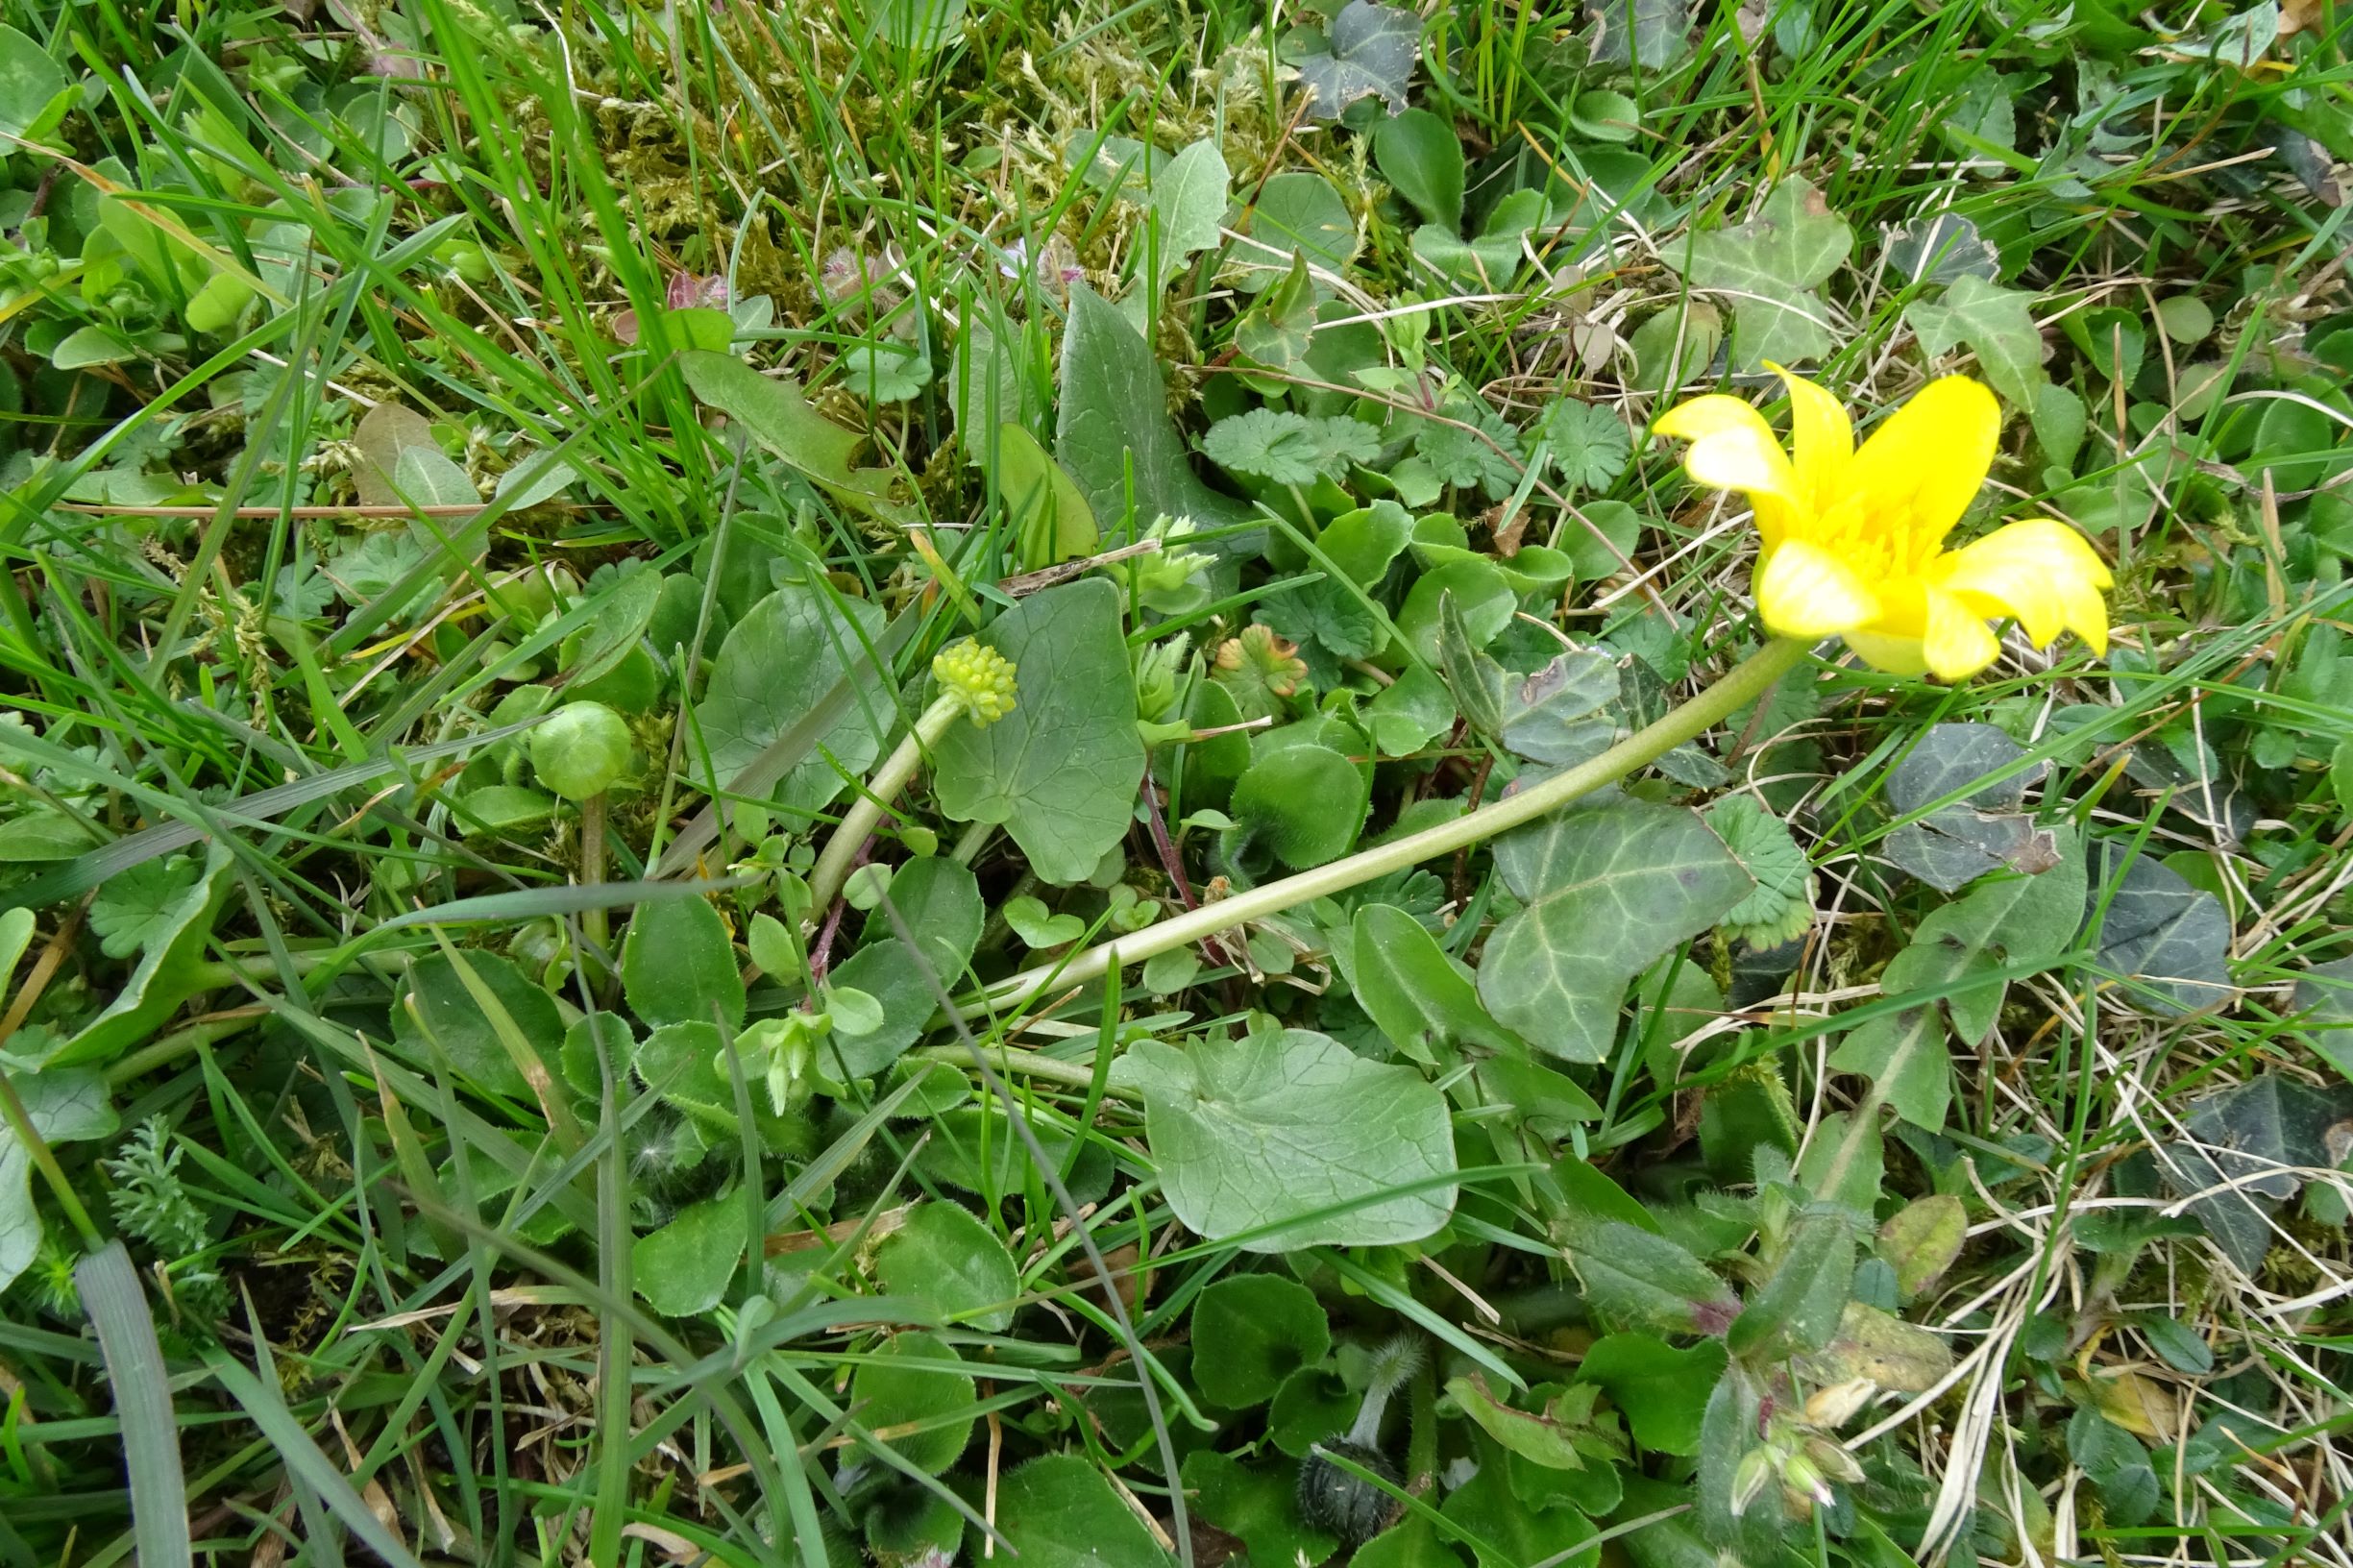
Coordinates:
(1854, 539)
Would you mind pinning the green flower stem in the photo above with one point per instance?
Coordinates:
(1745, 683)
(866, 811)
(1050, 1069)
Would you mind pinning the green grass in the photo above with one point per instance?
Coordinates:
(409, 1130)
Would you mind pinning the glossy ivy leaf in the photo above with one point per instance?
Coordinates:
(894, 1390)
(776, 664)
(1980, 831)
(1552, 715)
(1781, 906)
(953, 1264)
(1059, 1513)
(2323, 1002)
(1661, 1390)
(1646, 33)
(1288, 1139)
(1287, 449)
(1111, 426)
(1060, 771)
(1370, 52)
(2000, 923)
(1940, 250)
(2169, 939)
(1606, 889)
(1421, 158)
(2244, 1147)
(64, 1105)
(1997, 323)
(1768, 268)
(1251, 1332)
(683, 1268)
(678, 967)
(1589, 443)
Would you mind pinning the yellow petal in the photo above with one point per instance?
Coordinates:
(1890, 653)
(1696, 417)
(1922, 467)
(1734, 449)
(2041, 571)
(1957, 643)
(1804, 591)
(1820, 434)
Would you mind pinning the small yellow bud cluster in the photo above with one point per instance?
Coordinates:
(979, 678)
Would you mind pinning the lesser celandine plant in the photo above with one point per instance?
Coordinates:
(1852, 539)
(1851, 545)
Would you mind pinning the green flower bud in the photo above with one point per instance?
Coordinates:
(581, 749)
(978, 677)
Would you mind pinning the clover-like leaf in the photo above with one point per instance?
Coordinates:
(1589, 442)
(1284, 448)
(140, 906)
(1782, 905)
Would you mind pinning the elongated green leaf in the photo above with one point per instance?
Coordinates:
(780, 419)
(266, 1409)
(1113, 421)
(111, 1293)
